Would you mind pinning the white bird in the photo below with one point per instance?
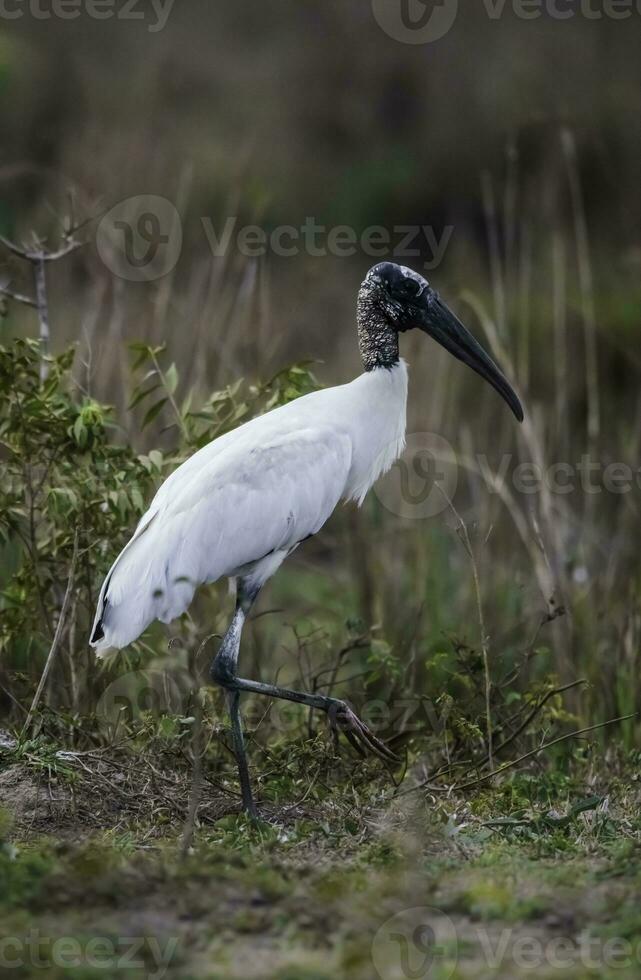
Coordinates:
(242, 504)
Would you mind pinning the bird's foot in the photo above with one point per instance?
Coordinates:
(342, 720)
(252, 813)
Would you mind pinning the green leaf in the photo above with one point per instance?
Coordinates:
(141, 394)
(171, 379)
(80, 432)
(591, 803)
(153, 412)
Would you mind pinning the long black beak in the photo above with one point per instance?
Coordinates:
(441, 324)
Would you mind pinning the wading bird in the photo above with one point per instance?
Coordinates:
(241, 505)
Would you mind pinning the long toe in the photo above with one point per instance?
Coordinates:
(343, 720)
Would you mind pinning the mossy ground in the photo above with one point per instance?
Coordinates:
(505, 886)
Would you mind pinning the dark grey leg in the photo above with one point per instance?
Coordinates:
(224, 672)
(341, 717)
(233, 701)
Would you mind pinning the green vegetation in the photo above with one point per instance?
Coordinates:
(306, 897)
(108, 815)
(494, 643)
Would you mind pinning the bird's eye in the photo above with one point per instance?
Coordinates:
(411, 288)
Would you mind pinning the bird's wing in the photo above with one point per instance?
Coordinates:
(253, 498)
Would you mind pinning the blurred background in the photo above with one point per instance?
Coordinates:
(515, 142)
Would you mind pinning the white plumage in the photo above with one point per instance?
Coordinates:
(239, 506)
(242, 504)
(245, 501)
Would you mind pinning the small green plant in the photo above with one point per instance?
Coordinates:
(71, 494)
(156, 394)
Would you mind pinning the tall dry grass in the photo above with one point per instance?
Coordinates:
(558, 574)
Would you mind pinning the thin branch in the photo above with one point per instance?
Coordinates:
(479, 608)
(522, 758)
(39, 253)
(196, 779)
(56, 640)
(18, 297)
(543, 748)
(496, 262)
(67, 249)
(586, 284)
(21, 253)
(37, 256)
(532, 715)
(170, 395)
(43, 314)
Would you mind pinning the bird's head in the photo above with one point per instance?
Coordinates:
(407, 301)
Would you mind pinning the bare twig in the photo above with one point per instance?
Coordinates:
(534, 712)
(56, 639)
(170, 395)
(459, 787)
(18, 297)
(587, 285)
(542, 748)
(479, 607)
(42, 306)
(38, 255)
(196, 779)
(38, 252)
(498, 278)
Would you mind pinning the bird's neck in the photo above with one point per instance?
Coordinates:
(377, 340)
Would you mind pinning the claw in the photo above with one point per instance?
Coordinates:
(342, 719)
(353, 741)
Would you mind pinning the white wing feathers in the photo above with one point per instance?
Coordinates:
(229, 506)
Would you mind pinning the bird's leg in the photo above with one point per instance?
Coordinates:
(341, 717)
(223, 672)
(233, 701)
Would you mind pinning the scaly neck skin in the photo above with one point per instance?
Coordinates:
(377, 339)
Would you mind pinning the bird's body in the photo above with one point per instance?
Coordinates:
(242, 504)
